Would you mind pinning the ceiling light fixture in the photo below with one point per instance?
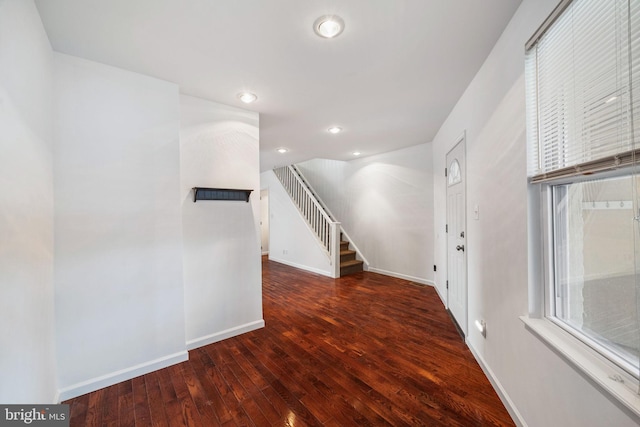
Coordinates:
(328, 26)
(247, 97)
(356, 153)
(282, 150)
(335, 129)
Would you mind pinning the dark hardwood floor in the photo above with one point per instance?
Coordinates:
(362, 350)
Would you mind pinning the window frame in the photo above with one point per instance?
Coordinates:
(594, 367)
(577, 348)
(548, 204)
(543, 173)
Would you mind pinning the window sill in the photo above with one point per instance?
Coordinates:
(609, 377)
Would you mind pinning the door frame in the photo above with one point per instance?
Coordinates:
(265, 214)
(464, 327)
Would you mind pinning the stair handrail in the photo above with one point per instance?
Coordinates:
(325, 229)
(313, 191)
(331, 215)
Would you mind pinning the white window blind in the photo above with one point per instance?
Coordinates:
(583, 90)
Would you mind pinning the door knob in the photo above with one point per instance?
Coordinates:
(460, 248)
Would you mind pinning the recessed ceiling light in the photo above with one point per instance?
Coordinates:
(356, 153)
(610, 100)
(247, 97)
(335, 129)
(328, 26)
(282, 150)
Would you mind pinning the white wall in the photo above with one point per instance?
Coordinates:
(118, 239)
(291, 240)
(384, 202)
(219, 148)
(542, 388)
(27, 350)
(110, 305)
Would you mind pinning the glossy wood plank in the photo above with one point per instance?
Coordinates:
(157, 411)
(125, 405)
(362, 350)
(141, 409)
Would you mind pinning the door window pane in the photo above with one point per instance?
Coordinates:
(454, 173)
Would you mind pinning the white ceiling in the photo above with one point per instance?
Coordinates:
(390, 79)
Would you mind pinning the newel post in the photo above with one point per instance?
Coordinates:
(335, 249)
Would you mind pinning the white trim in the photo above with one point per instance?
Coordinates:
(359, 254)
(516, 416)
(609, 378)
(265, 252)
(334, 238)
(56, 397)
(402, 276)
(302, 267)
(223, 335)
(112, 378)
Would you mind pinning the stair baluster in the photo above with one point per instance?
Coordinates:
(325, 229)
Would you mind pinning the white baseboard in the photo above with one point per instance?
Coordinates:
(265, 252)
(302, 267)
(402, 276)
(103, 381)
(502, 394)
(371, 269)
(223, 335)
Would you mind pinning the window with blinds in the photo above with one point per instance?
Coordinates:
(583, 127)
(583, 90)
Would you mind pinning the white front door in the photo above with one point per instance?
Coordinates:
(456, 235)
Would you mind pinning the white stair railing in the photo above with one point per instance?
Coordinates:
(325, 229)
(343, 233)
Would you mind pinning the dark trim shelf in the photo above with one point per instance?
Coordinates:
(203, 193)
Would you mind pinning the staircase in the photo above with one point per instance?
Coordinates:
(328, 231)
(348, 262)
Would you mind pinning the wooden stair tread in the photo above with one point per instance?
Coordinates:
(348, 262)
(351, 267)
